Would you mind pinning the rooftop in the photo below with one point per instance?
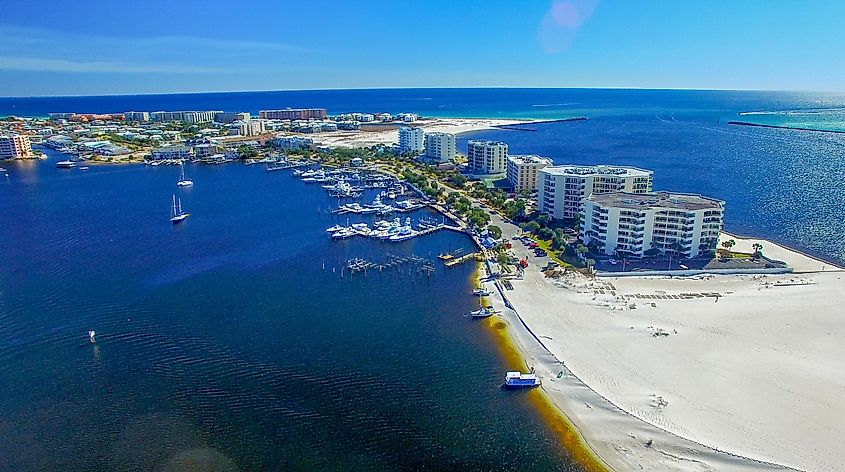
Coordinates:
(484, 142)
(582, 171)
(657, 200)
(529, 159)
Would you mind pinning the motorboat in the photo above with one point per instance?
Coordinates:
(66, 164)
(520, 380)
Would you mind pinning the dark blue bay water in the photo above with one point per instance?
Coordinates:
(225, 339)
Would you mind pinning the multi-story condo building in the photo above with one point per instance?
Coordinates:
(561, 190)
(172, 152)
(411, 139)
(440, 146)
(230, 117)
(294, 114)
(136, 116)
(205, 150)
(486, 157)
(184, 116)
(15, 146)
(61, 116)
(522, 171)
(633, 223)
(247, 128)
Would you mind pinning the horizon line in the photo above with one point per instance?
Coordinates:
(691, 89)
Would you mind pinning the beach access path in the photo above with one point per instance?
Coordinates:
(729, 372)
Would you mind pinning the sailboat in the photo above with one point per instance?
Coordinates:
(183, 181)
(176, 213)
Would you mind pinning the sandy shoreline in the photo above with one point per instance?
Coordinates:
(365, 138)
(751, 380)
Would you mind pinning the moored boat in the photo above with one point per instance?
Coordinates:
(484, 312)
(520, 380)
(176, 213)
(183, 181)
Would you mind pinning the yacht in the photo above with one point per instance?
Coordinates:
(335, 228)
(183, 181)
(344, 233)
(176, 213)
(66, 164)
(520, 380)
(480, 292)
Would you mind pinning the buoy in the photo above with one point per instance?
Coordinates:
(91, 336)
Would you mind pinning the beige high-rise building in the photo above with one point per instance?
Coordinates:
(561, 190)
(15, 146)
(440, 146)
(486, 157)
(522, 171)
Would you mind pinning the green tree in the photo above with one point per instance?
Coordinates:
(503, 259)
(545, 233)
(531, 226)
(495, 231)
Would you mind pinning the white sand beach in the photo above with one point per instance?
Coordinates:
(728, 372)
(364, 137)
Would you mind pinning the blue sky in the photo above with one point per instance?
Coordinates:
(109, 47)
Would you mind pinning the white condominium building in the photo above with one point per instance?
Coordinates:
(675, 223)
(522, 171)
(486, 157)
(562, 189)
(136, 116)
(440, 146)
(184, 116)
(15, 146)
(172, 152)
(410, 139)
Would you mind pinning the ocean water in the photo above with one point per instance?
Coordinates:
(233, 338)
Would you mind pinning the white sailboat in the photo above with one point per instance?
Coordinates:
(183, 181)
(176, 213)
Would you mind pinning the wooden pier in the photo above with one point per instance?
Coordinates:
(460, 260)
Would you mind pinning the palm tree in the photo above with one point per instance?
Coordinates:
(758, 249)
(728, 244)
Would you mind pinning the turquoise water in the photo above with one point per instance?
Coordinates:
(224, 338)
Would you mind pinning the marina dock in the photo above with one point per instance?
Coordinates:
(460, 260)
